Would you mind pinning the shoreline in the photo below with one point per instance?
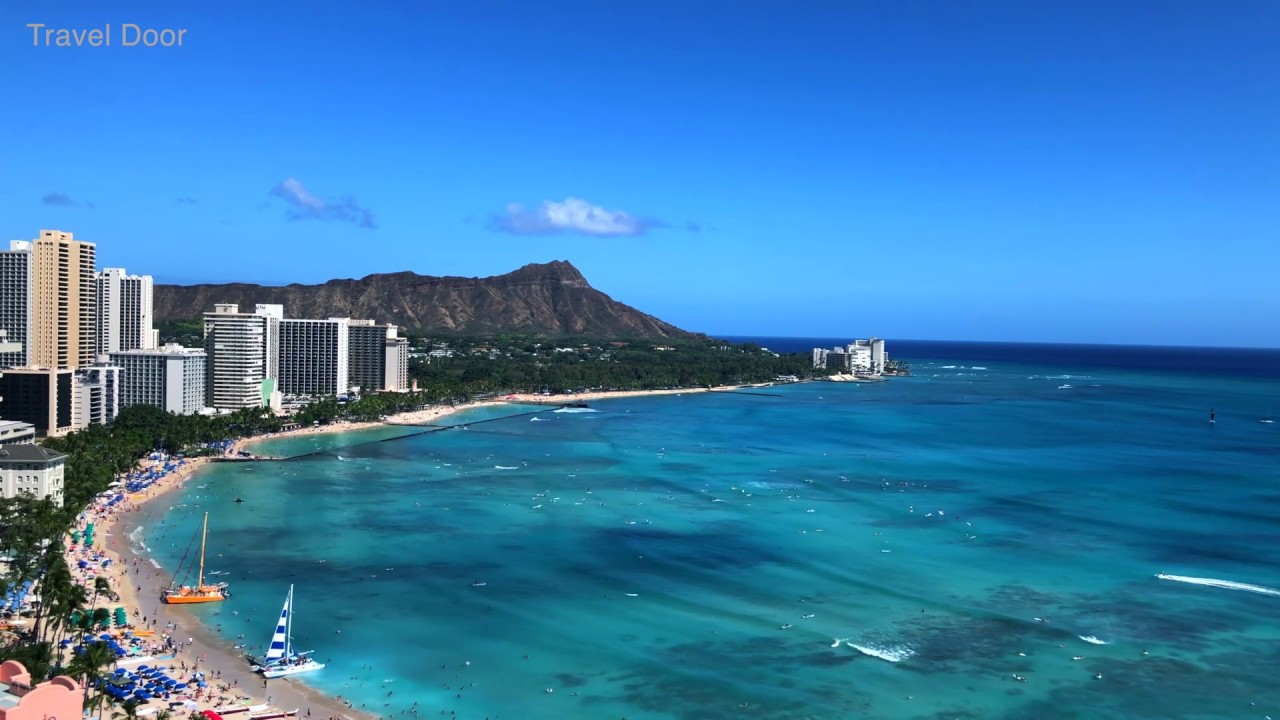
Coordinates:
(200, 647)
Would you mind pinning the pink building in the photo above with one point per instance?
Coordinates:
(59, 699)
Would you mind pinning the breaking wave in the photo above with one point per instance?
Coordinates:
(888, 653)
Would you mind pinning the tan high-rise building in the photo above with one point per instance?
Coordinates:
(63, 302)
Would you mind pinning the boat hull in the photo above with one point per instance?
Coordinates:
(274, 715)
(277, 672)
(190, 599)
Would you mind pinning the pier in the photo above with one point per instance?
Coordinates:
(422, 430)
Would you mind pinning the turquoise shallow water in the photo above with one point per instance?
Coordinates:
(645, 557)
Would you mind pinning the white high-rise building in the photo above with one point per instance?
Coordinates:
(314, 356)
(171, 378)
(859, 356)
(15, 302)
(125, 320)
(878, 356)
(243, 352)
(95, 395)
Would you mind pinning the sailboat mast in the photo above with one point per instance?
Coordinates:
(288, 627)
(203, 533)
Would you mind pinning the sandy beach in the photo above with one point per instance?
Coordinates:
(231, 683)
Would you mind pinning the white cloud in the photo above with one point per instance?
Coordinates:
(572, 215)
(305, 206)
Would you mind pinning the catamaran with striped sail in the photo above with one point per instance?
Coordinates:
(281, 659)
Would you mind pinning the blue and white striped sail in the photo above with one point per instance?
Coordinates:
(280, 640)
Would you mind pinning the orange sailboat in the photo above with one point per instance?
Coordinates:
(199, 593)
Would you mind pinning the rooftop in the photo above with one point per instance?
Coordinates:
(28, 453)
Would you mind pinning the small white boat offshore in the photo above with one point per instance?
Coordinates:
(281, 659)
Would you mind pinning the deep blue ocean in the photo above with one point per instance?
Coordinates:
(980, 540)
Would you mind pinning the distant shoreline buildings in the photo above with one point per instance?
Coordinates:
(862, 358)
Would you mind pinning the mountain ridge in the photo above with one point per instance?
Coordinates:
(546, 299)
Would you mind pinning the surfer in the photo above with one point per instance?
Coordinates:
(1212, 420)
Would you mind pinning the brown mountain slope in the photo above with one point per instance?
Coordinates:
(549, 299)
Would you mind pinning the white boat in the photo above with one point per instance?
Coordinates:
(274, 715)
(281, 659)
(242, 709)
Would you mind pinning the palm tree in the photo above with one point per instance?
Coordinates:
(90, 664)
(128, 710)
(102, 586)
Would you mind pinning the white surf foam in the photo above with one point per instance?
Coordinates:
(575, 410)
(1094, 640)
(505, 467)
(1224, 584)
(538, 419)
(888, 653)
(977, 367)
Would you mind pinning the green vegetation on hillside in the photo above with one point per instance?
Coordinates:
(527, 364)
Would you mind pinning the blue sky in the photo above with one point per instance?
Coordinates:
(1076, 172)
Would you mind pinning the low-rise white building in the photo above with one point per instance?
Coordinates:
(33, 470)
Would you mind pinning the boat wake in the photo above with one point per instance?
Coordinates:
(575, 410)
(1224, 584)
(1092, 639)
(888, 653)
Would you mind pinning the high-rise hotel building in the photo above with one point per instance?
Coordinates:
(15, 302)
(379, 359)
(124, 320)
(243, 352)
(64, 302)
(314, 357)
(171, 378)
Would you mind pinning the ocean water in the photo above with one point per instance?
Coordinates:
(905, 549)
